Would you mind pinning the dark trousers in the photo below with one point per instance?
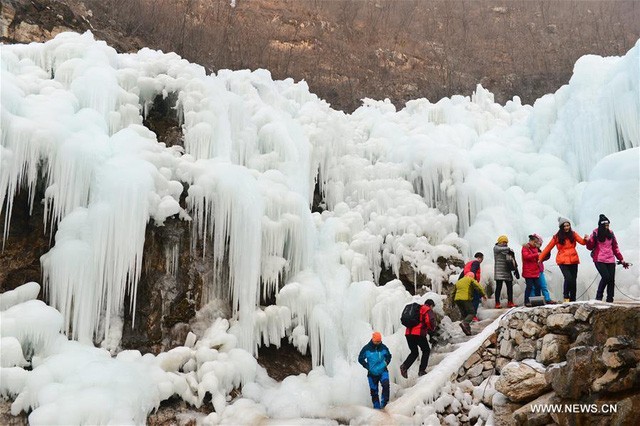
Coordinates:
(608, 273)
(532, 283)
(466, 309)
(383, 379)
(476, 302)
(414, 343)
(509, 290)
(570, 274)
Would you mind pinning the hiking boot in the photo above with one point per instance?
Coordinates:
(403, 372)
(567, 300)
(527, 304)
(511, 305)
(550, 302)
(422, 373)
(466, 328)
(498, 305)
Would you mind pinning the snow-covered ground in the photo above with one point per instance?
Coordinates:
(429, 180)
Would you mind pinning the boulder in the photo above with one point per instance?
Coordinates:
(561, 323)
(525, 350)
(521, 382)
(554, 348)
(573, 379)
(614, 344)
(583, 339)
(477, 380)
(507, 349)
(614, 381)
(531, 329)
(474, 371)
(583, 313)
(503, 410)
(619, 353)
(526, 415)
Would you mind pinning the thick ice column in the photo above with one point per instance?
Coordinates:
(228, 210)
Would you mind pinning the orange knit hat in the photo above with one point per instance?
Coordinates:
(376, 337)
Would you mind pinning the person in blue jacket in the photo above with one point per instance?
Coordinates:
(375, 357)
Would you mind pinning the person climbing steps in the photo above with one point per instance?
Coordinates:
(416, 336)
(375, 357)
(463, 297)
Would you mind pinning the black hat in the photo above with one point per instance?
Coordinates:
(603, 220)
(429, 302)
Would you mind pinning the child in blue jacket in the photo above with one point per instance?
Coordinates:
(375, 357)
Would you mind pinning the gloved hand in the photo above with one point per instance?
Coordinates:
(517, 274)
(625, 265)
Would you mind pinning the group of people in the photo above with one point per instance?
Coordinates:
(604, 251)
(375, 355)
(467, 292)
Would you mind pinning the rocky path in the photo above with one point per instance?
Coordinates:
(440, 351)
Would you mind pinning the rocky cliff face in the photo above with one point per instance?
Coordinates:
(584, 354)
(348, 50)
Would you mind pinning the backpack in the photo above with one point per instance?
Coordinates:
(411, 315)
(512, 263)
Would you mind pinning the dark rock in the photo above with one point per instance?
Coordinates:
(176, 280)
(503, 410)
(614, 344)
(618, 381)
(526, 415)
(599, 411)
(560, 323)
(284, 361)
(6, 419)
(615, 321)
(176, 412)
(527, 349)
(26, 242)
(573, 379)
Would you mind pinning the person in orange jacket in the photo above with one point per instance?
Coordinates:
(567, 258)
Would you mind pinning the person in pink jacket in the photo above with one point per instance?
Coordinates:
(605, 251)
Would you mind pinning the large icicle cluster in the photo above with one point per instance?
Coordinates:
(73, 383)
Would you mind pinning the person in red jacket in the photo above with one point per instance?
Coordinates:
(531, 268)
(567, 258)
(417, 337)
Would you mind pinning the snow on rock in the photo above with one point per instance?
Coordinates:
(21, 294)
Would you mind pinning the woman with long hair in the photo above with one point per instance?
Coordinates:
(567, 258)
(605, 251)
